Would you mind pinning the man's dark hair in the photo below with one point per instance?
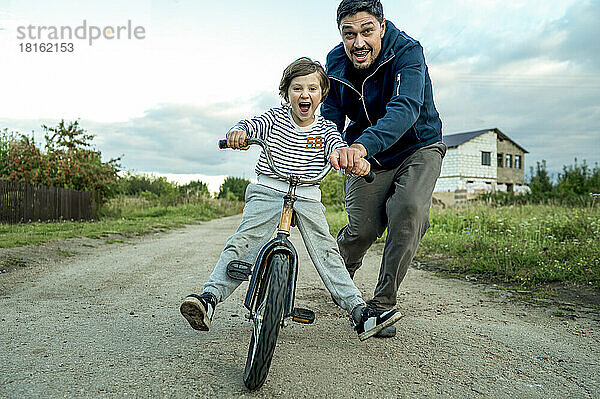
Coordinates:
(301, 67)
(351, 7)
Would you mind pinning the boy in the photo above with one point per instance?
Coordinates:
(300, 143)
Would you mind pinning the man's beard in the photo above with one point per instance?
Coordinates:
(361, 66)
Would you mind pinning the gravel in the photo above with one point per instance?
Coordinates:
(104, 322)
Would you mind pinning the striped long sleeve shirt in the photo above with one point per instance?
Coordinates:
(299, 150)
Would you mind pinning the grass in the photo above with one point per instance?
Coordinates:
(123, 215)
(523, 245)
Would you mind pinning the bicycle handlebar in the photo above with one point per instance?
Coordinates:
(223, 144)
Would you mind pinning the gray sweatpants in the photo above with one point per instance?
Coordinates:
(259, 221)
(398, 199)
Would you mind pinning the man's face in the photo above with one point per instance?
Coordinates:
(361, 35)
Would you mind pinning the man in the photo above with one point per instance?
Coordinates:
(380, 82)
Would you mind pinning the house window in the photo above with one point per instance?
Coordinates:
(486, 158)
(509, 161)
(518, 162)
(500, 160)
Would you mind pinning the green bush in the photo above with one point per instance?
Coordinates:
(196, 188)
(233, 188)
(67, 160)
(136, 184)
(540, 183)
(576, 185)
(5, 141)
(333, 189)
(578, 180)
(149, 205)
(159, 191)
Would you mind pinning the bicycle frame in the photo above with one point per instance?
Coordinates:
(272, 289)
(281, 242)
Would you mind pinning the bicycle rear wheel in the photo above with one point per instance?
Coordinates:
(267, 322)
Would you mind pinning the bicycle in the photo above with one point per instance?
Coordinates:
(271, 292)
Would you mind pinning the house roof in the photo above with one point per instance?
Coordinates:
(454, 140)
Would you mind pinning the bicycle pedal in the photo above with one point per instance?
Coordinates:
(304, 316)
(238, 270)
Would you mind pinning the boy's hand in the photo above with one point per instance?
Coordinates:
(236, 140)
(348, 158)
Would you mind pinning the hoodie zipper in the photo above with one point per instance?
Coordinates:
(363, 85)
(350, 86)
(361, 95)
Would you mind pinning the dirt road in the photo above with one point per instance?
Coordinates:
(89, 319)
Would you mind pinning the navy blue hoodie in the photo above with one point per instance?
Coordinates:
(393, 113)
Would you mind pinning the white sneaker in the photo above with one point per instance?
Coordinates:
(372, 321)
(198, 310)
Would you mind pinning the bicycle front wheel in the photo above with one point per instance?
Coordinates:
(267, 321)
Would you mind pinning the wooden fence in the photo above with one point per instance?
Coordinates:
(24, 202)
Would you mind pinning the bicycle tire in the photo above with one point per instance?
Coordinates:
(264, 334)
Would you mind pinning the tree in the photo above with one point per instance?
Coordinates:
(578, 179)
(233, 188)
(5, 142)
(195, 187)
(66, 137)
(540, 183)
(22, 160)
(136, 184)
(68, 161)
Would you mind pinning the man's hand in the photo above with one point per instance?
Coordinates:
(236, 140)
(349, 159)
(362, 168)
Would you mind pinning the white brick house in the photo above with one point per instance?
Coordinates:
(483, 160)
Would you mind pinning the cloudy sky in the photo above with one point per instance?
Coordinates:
(528, 67)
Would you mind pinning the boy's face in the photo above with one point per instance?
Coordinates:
(361, 35)
(304, 95)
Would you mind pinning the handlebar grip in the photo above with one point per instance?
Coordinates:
(370, 177)
(223, 144)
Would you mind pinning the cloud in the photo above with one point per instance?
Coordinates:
(173, 138)
(530, 68)
(542, 90)
(568, 39)
(574, 38)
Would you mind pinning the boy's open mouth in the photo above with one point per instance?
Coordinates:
(304, 107)
(361, 55)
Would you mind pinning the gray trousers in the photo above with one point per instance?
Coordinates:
(259, 220)
(398, 199)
